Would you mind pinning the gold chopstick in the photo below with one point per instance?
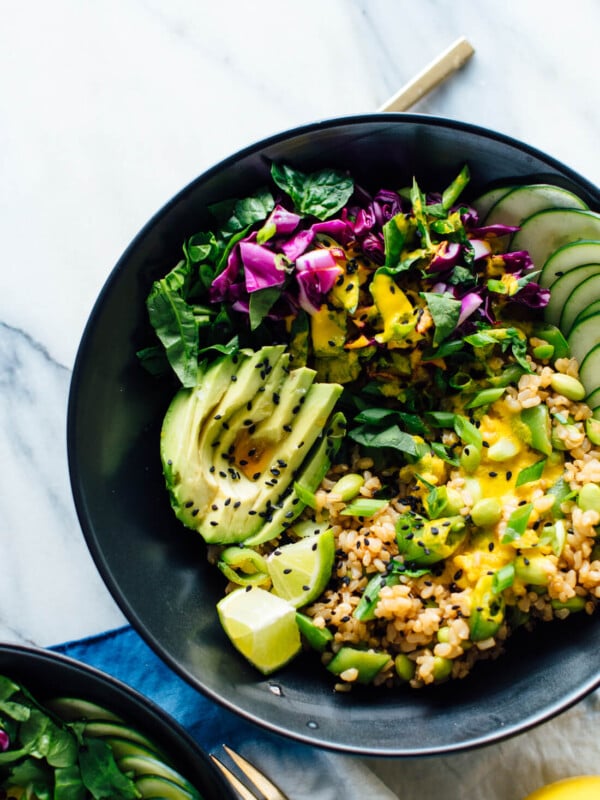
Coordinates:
(434, 73)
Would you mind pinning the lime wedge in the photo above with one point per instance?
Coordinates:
(300, 571)
(261, 626)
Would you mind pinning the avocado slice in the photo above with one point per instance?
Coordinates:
(233, 445)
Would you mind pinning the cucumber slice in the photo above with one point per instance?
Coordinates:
(100, 729)
(156, 786)
(71, 709)
(523, 201)
(145, 765)
(488, 199)
(584, 337)
(588, 311)
(561, 289)
(568, 257)
(589, 373)
(586, 292)
(543, 233)
(593, 398)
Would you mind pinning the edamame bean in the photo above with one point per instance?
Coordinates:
(442, 667)
(504, 449)
(592, 429)
(348, 486)
(470, 458)
(589, 497)
(405, 668)
(486, 512)
(576, 603)
(443, 635)
(568, 386)
(543, 351)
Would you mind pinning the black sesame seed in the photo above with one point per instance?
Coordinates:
(237, 504)
(217, 416)
(350, 287)
(287, 571)
(493, 474)
(195, 512)
(275, 398)
(234, 378)
(189, 504)
(508, 475)
(457, 575)
(256, 476)
(215, 507)
(252, 512)
(212, 469)
(214, 523)
(227, 502)
(287, 428)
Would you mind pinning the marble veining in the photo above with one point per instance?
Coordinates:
(106, 111)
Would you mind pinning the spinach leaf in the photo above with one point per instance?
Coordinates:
(100, 774)
(395, 234)
(68, 784)
(235, 216)
(261, 303)
(445, 311)
(35, 777)
(379, 416)
(319, 193)
(175, 323)
(388, 437)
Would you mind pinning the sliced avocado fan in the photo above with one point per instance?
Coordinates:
(233, 446)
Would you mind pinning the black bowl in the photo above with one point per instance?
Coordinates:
(157, 571)
(47, 675)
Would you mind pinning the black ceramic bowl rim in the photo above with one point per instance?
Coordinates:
(48, 674)
(497, 729)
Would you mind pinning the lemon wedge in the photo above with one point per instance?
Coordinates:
(584, 787)
(261, 626)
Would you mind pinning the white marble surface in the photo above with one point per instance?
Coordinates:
(108, 108)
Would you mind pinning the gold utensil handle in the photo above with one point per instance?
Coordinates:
(434, 73)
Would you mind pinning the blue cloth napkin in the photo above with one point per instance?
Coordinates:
(302, 771)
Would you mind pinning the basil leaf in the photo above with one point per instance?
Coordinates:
(531, 473)
(320, 193)
(445, 311)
